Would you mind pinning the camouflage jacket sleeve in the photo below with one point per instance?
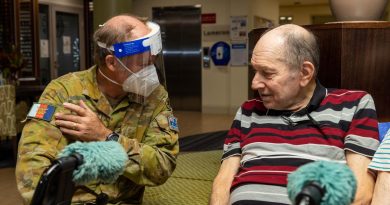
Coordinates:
(153, 160)
(38, 146)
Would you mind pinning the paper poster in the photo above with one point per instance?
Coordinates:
(239, 54)
(44, 48)
(238, 27)
(66, 44)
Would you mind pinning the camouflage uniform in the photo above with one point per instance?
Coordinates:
(145, 133)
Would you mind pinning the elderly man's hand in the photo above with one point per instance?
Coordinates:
(83, 125)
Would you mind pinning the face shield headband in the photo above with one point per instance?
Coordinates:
(151, 42)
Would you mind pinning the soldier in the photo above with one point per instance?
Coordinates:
(120, 99)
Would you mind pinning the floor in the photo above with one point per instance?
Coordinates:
(187, 186)
(190, 123)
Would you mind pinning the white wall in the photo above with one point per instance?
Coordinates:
(105, 9)
(302, 14)
(268, 9)
(224, 89)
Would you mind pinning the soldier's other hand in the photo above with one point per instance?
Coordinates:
(83, 125)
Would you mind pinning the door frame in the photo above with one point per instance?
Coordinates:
(53, 8)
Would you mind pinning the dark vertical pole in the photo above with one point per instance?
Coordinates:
(88, 22)
(35, 39)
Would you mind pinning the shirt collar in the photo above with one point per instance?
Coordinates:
(318, 95)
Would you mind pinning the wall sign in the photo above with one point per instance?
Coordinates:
(209, 18)
(213, 33)
(220, 53)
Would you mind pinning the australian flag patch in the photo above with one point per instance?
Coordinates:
(172, 122)
(41, 111)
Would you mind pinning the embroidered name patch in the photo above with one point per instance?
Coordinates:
(172, 122)
(41, 111)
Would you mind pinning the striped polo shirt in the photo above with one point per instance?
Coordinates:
(274, 143)
(381, 160)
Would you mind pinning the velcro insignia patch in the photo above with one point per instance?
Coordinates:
(41, 111)
(172, 122)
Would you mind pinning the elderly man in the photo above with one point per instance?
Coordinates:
(294, 121)
(120, 99)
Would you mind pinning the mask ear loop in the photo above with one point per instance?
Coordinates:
(108, 78)
(103, 46)
(123, 65)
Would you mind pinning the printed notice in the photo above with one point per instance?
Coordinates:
(66, 44)
(238, 28)
(239, 54)
(44, 48)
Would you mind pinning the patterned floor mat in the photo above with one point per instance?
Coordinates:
(191, 182)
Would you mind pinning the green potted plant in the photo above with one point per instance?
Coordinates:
(11, 63)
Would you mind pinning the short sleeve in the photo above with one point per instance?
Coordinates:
(362, 135)
(381, 159)
(232, 142)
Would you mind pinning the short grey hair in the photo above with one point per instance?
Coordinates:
(299, 47)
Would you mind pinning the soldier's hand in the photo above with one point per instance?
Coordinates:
(83, 125)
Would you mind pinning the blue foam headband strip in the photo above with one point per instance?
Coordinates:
(130, 48)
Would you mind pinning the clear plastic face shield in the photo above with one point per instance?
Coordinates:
(142, 58)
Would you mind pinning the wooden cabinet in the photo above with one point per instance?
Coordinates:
(7, 23)
(20, 24)
(27, 31)
(354, 55)
(18, 27)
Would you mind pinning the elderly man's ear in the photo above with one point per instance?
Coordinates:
(307, 73)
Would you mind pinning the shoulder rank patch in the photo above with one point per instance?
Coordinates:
(172, 122)
(41, 111)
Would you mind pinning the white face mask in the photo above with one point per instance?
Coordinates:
(142, 82)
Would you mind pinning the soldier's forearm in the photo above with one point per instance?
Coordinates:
(149, 165)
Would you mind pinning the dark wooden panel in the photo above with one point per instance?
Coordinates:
(360, 55)
(329, 43)
(366, 64)
(7, 24)
(28, 39)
